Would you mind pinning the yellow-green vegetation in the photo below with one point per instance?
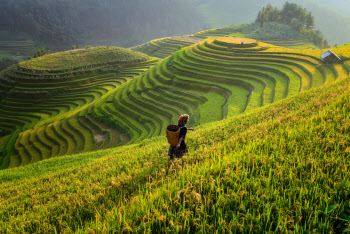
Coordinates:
(102, 105)
(212, 80)
(281, 168)
(212, 110)
(162, 48)
(80, 58)
(46, 103)
(273, 33)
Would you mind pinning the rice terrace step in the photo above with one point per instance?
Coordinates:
(83, 144)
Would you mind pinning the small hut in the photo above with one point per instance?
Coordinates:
(330, 57)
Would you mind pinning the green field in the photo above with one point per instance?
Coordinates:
(47, 103)
(82, 146)
(277, 34)
(281, 168)
(91, 99)
(163, 47)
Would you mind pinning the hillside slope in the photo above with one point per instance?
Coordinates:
(45, 103)
(280, 168)
(218, 78)
(273, 33)
(78, 107)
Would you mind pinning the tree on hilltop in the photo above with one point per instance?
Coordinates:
(268, 13)
(299, 18)
(310, 21)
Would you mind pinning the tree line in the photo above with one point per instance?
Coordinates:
(296, 16)
(57, 25)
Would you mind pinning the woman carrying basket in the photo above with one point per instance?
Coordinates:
(180, 149)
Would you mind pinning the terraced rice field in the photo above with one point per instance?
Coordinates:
(294, 44)
(11, 48)
(270, 34)
(46, 103)
(219, 32)
(162, 48)
(217, 77)
(58, 106)
(283, 168)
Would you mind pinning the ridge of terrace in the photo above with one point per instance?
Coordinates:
(211, 80)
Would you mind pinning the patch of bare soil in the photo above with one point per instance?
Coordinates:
(100, 138)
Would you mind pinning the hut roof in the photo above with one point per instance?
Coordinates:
(329, 52)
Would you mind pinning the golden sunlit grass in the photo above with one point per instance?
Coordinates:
(235, 40)
(282, 168)
(222, 78)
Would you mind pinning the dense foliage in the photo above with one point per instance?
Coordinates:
(299, 18)
(334, 25)
(60, 24)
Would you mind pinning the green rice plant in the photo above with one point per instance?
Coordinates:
(68, 140)
(95, 56)
(14, 161)
(280, 73)
(133, 127)
(52, 145)
(88, 85)
(162, 47)
(82, 135)
(248, 76)
(213, 109)
(219, 72)
(305, 76)
(152, 98)
(144, 116)
(40, 146)
(34, 152)
(152, 81)
(162, 114)
(72, 136)
(257, 171)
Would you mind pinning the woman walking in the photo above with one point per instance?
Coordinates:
(181, 148)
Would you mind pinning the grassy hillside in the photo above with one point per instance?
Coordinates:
(273, 33)
(163, 47)
(222, 78)
(280, 168)
(46, 103)
(94, 102)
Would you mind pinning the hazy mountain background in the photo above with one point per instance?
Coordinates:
(341, 6)
(331, 17)
(60, 24)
